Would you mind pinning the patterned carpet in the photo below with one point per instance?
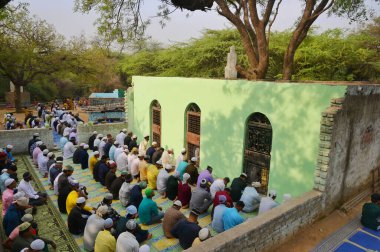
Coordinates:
(96, 193)
(353, 237)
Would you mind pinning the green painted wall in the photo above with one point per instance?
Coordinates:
(293, 109)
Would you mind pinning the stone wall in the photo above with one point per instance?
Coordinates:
(25, 98)
(20, 138)
(269, 229)
(354, 148)
(85, 131)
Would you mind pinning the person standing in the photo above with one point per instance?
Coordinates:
(143, 147)
(64, 188)
(133, 143)
(150, 151)
(181, 157)
(128, 138)
(237, 187)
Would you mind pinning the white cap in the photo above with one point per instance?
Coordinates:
(168, 166)
(134, 137)
(124, 130)
(27, 218)
(9, 146)
(66, 133)
(177, 203)
(154, 143)
(86, 146)
(203, 234)
(131, 224)
(256, 184)
(39, 143)
(37, 244)
(94, 133)
(146, 135)
(18, 195)
(22, 201)
(45, 151)
(108, 223)
(272, 193)
(126, 150)
(159, 162)
(50, 154)
(81, 200)
(286, 197)
(116, 143)
(36, 134)
(244, 175)
(194, 159)
(82, 144)
(8, 182)
(96, 153)
(104, 138)
(100, 135)
(183, 150)
(144, 248)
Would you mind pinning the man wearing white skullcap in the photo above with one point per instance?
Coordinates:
(162, 179)
(171, 217)
(203, 235)
(105, 241)
(101, 146)
(192, 170)
(8, 150)
(42, 162)
(267, 203)
(78, 216)
(184, 191)
(251, 198)
(120, 137)
(37, 245)
(143, 147)
(91, 140)
(144, 248)
(200, 197)
(97, 141)
(181, 157)
(94, 225)
(7, 197)
(127, 240)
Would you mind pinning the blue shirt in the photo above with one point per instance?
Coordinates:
(231, 218)
(103, 170)
(111, 153)
(62, 142)
(9, 155)
(251, 199)
(12, 219)
(182, 168)
(147, 208)
(217, 221)
(3, 177)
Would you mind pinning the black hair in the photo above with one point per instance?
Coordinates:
(240, 204)
(59, 159)
(375, 197)
(227, 179)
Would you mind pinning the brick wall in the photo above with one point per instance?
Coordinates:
(85, 131)
(20, 138)
(269, 229)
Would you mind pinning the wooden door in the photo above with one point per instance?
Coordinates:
(193, 131)
(257, 150)
(156, 122)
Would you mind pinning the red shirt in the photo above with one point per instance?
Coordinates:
(184, 193)
(216, 199)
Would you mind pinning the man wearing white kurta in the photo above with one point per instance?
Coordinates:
(144, 144)
(121, 136)
(122, 160)
(69, 149)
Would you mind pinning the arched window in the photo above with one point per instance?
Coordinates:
(193, 130)
(257, 150)
(156, 121)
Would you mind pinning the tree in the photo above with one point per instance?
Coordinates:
(29, 48)
(3, 3)
(252, 18)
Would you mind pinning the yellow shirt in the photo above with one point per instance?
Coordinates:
(92, 162)
(71, 202)
(152, 174)
(105, 242)
(196, 242)
(143, 169)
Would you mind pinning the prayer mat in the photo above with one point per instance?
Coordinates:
(96, 193)
(48, 218)
(352, 237)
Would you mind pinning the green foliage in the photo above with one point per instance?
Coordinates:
(334, 55)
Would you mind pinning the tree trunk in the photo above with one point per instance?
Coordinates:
(17, 98)
(288, 63)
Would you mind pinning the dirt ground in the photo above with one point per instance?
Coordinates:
(309, 237)
(21, 116)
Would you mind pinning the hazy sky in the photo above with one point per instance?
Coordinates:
(60, 13)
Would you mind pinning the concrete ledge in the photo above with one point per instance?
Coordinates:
(20, 138)
(269, 229)
(85, 131)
